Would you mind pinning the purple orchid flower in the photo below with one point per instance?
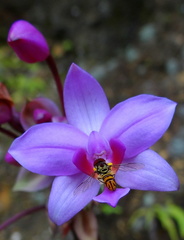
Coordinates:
(96, 139)
(27, 42)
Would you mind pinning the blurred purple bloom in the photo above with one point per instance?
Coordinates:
(27, 181)
(31, 182)
(27, 42)
(123, 134)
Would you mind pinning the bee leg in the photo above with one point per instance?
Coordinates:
(100, 180)
(110, 166)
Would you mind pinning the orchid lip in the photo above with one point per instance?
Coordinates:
(101, 160)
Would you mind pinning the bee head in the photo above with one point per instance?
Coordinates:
(101, 166)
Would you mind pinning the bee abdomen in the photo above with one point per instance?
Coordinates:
(110, 182)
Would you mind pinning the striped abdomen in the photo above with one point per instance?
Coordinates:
(109, 181)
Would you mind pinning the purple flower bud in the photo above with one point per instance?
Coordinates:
(27, 42)
(39, 110)
(41, 116)
(9, 159)
(5, 113)
(6, 104)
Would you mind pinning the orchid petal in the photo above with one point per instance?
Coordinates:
(98, 147)
(48, 148)
(139, 122)
(65, 202)
(156, 174)
(85, 102)
(30, 182)
(111, 197)
(82, 163)
(118, 150)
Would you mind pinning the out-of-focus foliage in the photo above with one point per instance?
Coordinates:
(23, 80)
(170, 216)
(108, 210)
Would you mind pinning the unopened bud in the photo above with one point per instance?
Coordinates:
(27, 42)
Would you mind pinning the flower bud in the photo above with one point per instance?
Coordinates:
(41, 116)
(9, 159)
(6, 104)
(39, 110)
(85, 225)
(28, 43)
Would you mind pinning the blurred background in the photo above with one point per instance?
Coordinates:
(131, 47)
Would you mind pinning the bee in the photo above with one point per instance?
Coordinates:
(105, 173)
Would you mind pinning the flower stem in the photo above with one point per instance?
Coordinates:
(21, 215)
(52, 65)
(8, 132)
(74, 234)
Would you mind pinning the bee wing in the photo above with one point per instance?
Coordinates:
(129, 166)
(83, 186)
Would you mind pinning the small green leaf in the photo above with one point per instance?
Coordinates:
(149, 217)
(108, 210)
(177, 214)
(166, 221)
(141, 212)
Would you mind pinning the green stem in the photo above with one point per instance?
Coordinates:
(8, 132)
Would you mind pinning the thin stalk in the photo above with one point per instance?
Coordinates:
(8, 132)
(21, 215)
(52, 65)
(74, 234)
